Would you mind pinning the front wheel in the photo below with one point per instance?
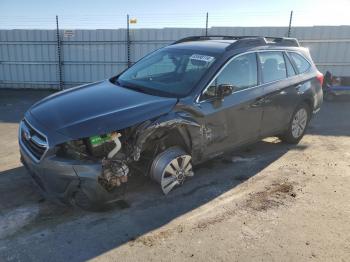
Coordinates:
(170, 168)
(297, 125)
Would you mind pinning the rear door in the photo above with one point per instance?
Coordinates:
(279, 82)
(235, 119)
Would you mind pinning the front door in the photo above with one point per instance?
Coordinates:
(235, 119)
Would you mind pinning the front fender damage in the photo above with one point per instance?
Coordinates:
(147, 131)
(115, 169)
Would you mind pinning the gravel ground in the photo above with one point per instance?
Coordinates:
(270, 202)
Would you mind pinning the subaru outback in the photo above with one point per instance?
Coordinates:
(177, 107)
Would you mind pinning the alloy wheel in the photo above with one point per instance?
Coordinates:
(299, 122)
(171, 168)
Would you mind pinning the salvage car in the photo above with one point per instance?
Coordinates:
(177, 107)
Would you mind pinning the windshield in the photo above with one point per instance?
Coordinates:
(169, 72)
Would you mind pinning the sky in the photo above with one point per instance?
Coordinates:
(84, 14)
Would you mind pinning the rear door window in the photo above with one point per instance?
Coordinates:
(273, 67)
(302, 64)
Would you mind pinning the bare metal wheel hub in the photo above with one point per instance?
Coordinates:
(170, 168)
(299, 122)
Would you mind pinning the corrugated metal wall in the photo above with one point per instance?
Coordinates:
(28, 58)
(329, 45)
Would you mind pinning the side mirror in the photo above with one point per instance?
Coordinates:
(224, 90)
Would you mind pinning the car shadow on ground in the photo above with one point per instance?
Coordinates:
(79, 235)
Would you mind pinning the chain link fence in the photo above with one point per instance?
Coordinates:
(63, 52)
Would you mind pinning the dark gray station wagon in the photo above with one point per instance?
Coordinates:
(177, 107)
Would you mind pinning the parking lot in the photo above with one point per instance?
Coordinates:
(268, 202)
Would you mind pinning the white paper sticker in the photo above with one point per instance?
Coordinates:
(204, 58)
(68, 33)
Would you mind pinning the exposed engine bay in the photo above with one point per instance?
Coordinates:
(135, 150)
(114, 169)
(105, 149)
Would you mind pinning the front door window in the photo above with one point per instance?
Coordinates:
(241, 73)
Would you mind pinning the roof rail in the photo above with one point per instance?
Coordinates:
(209, 37)
(245, 41)
(284, 41)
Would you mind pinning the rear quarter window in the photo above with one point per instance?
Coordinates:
(301, 63)
(273, 66)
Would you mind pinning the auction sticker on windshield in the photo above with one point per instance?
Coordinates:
(205, 58)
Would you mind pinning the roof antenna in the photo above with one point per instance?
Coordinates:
(290, 23)
(206, 24)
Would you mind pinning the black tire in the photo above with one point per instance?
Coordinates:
(289, 136)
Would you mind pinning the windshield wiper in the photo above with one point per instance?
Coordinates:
(117, 82)
(134, 87)
(141, 89)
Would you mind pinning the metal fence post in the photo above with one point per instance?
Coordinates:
(128, 39)
(60, 75)
(206, 25)
(290, 23)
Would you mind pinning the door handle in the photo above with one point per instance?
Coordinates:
(258, 102)
(283, 92)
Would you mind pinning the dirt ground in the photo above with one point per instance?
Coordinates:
(269, 202)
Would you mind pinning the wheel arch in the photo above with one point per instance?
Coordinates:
(175, 136)
(170, 131)
(309, 102)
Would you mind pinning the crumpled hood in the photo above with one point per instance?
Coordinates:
(97, 108)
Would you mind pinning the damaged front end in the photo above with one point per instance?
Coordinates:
(91, 149)
(131, 150)
(114, 168)
(108, 150)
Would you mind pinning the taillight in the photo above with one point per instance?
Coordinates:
(320, 78)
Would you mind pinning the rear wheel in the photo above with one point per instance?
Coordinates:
(170, 168)
(297, 125)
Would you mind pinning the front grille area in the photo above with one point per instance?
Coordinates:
(35, 142)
